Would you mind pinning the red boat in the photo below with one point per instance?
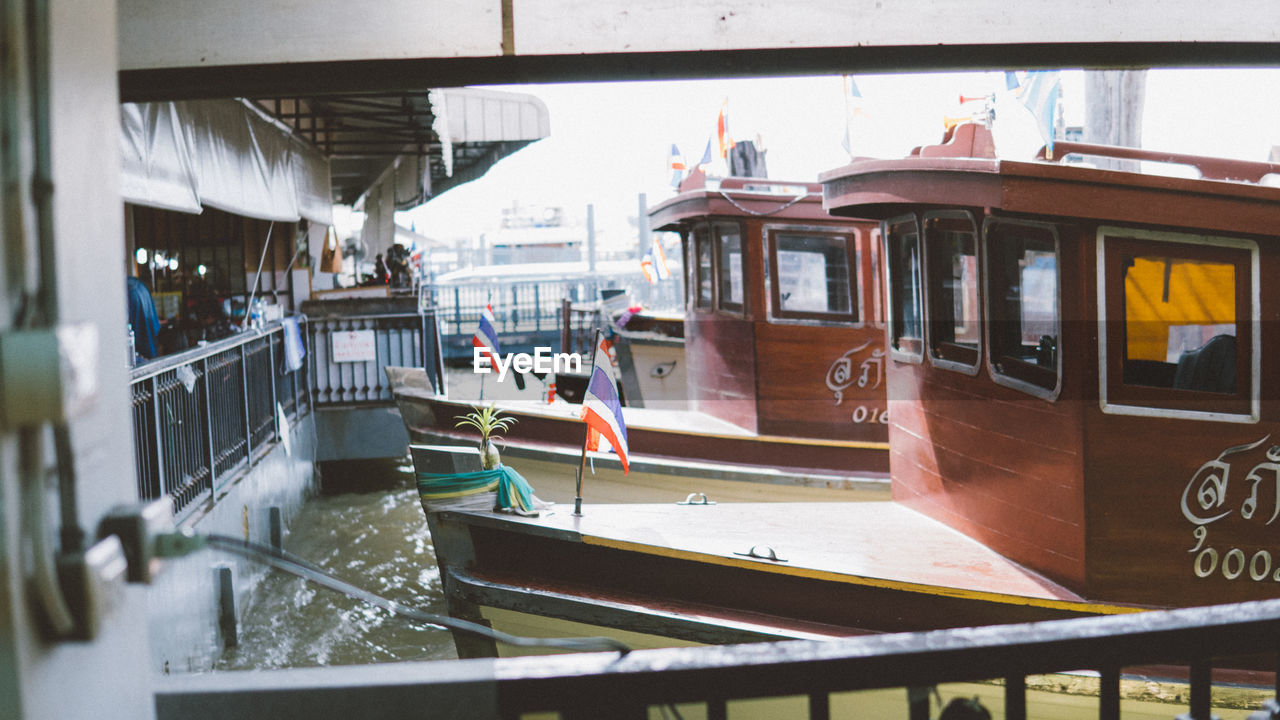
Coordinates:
(783, 340)
(1080, 416)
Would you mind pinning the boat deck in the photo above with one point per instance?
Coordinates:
(877, 544)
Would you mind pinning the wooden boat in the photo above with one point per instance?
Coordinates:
(652, 363)
(783, 346)
(1081, 421)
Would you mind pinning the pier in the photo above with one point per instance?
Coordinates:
(196, 145)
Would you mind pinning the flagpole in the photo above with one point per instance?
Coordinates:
(582, 464)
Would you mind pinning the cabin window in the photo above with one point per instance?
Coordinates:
(906, 327)
(813, 275)
(951, 266)
(729, 247)
(1185, 311)
(1022, 305)
(702, 268)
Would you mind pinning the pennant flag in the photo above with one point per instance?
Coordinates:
(486, 336)
(676, 165)
(1039, 93)
(706, 155)
(853, 108)
(646, 267)
(722, 130)
(1011, 80)
(601, 408)
(660, 260)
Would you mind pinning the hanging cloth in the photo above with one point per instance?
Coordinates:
(513, 491)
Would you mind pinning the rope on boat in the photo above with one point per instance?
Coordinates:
(776, 210)
(182, 543)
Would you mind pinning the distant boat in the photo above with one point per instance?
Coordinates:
(785, 368)
(1079, 374)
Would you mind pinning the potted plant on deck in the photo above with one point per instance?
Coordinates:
(491, 424)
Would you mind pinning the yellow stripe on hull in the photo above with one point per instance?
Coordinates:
(827, 576)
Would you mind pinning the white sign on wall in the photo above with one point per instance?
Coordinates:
(353, 346)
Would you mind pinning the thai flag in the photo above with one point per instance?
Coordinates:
(660, 260)
(487, 336)
(722, 130)
(676, 166)
(706, 155)
(646, 267)
(601, 408)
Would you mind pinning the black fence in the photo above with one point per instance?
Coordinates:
(707, 681)
(204, 415)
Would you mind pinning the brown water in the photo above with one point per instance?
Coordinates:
(377, 540)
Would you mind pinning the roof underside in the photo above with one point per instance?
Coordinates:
(363, 134)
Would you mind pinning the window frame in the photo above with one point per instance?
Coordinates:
(773, 280)
(719, 267)
(998, 376)
(915, 353)
(956, 364)
(701, 234)
(1117, 398)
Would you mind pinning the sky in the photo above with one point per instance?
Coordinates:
(610, 142)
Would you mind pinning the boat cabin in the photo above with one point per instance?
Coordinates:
(1082, 361)
(783, 321)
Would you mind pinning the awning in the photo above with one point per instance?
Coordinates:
(224, 154)
(289, 158)
(429, 141)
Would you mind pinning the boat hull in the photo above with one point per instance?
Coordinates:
(659, 440)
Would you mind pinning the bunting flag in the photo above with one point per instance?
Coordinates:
(706, 156)
(853, 108)
(676, 166)
(601, 408)
(722, 130)
(1039, 92)
(646, 267)
(660, 260)
(486, 336)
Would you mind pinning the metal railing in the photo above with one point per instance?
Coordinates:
(815, 674)
(358, 379)
(201, 416)
(517, 306)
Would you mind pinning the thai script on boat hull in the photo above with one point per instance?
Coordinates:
(541, 360)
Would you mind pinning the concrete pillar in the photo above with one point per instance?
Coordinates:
(107, 677)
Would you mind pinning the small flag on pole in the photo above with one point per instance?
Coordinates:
(722, 130)
(676, 165)
(660, 260)
(706, 156)
(1039, 93)
(486, 336)
(646, 267)
(601, 408)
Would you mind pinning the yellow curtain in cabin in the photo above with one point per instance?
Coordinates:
(1163, 292)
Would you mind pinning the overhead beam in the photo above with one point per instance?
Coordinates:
(419, 74)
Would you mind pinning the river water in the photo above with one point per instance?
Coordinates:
(377, 540)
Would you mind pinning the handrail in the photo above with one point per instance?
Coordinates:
(169, 362)
(609, 685)
(1194, 636)
(1212, 168)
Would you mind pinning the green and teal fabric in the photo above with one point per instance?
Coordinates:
(513, 489)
